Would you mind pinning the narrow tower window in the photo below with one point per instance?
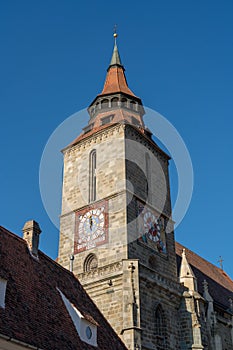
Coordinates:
(92, 176)
(148, 176)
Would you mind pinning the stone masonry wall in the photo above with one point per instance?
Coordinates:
(110, 174)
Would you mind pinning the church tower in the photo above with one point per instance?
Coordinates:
(116, 230)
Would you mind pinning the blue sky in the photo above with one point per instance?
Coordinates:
(178, 57)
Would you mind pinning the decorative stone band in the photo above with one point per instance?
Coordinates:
(102, 272)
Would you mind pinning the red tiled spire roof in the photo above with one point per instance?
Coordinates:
(115, 80)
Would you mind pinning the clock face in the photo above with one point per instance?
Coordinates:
(151, 230)
(151, 226)
(91, 228)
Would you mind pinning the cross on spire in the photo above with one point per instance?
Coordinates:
(221, 262)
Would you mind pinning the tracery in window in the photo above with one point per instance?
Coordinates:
(160, 328)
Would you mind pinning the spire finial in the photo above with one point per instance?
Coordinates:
(115, 35)
(115, 56)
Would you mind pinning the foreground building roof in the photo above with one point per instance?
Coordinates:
(44, 303)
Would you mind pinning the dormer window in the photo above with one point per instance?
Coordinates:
(3, 284)
(86, 330)
(107, 120)
(88, 128)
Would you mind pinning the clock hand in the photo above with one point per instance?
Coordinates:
(90, 222)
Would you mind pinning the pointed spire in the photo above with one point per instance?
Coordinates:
(115, 80)
(186, 274)
(116, 60)
(117, 96)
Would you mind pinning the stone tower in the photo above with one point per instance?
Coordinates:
(116, 224)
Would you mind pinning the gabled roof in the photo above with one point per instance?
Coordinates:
(220, 285)
(34, 311)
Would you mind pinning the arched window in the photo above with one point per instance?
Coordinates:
(90, 263)
(148, 176)
(92, 176)
(104, 103)
(160, 328)
(123, 102)
(114, 102)
(133, 105)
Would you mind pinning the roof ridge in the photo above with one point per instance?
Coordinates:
(14, 235)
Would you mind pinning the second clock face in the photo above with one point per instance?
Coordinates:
(151, 226)
(91, 228)
(151, 230)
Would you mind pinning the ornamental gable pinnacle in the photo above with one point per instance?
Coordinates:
(186, 274)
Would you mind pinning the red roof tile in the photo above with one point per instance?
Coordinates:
(34, 311)
(116, 82)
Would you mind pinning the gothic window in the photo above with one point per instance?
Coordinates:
(92, 176)
(90, 263)
(160, 328)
